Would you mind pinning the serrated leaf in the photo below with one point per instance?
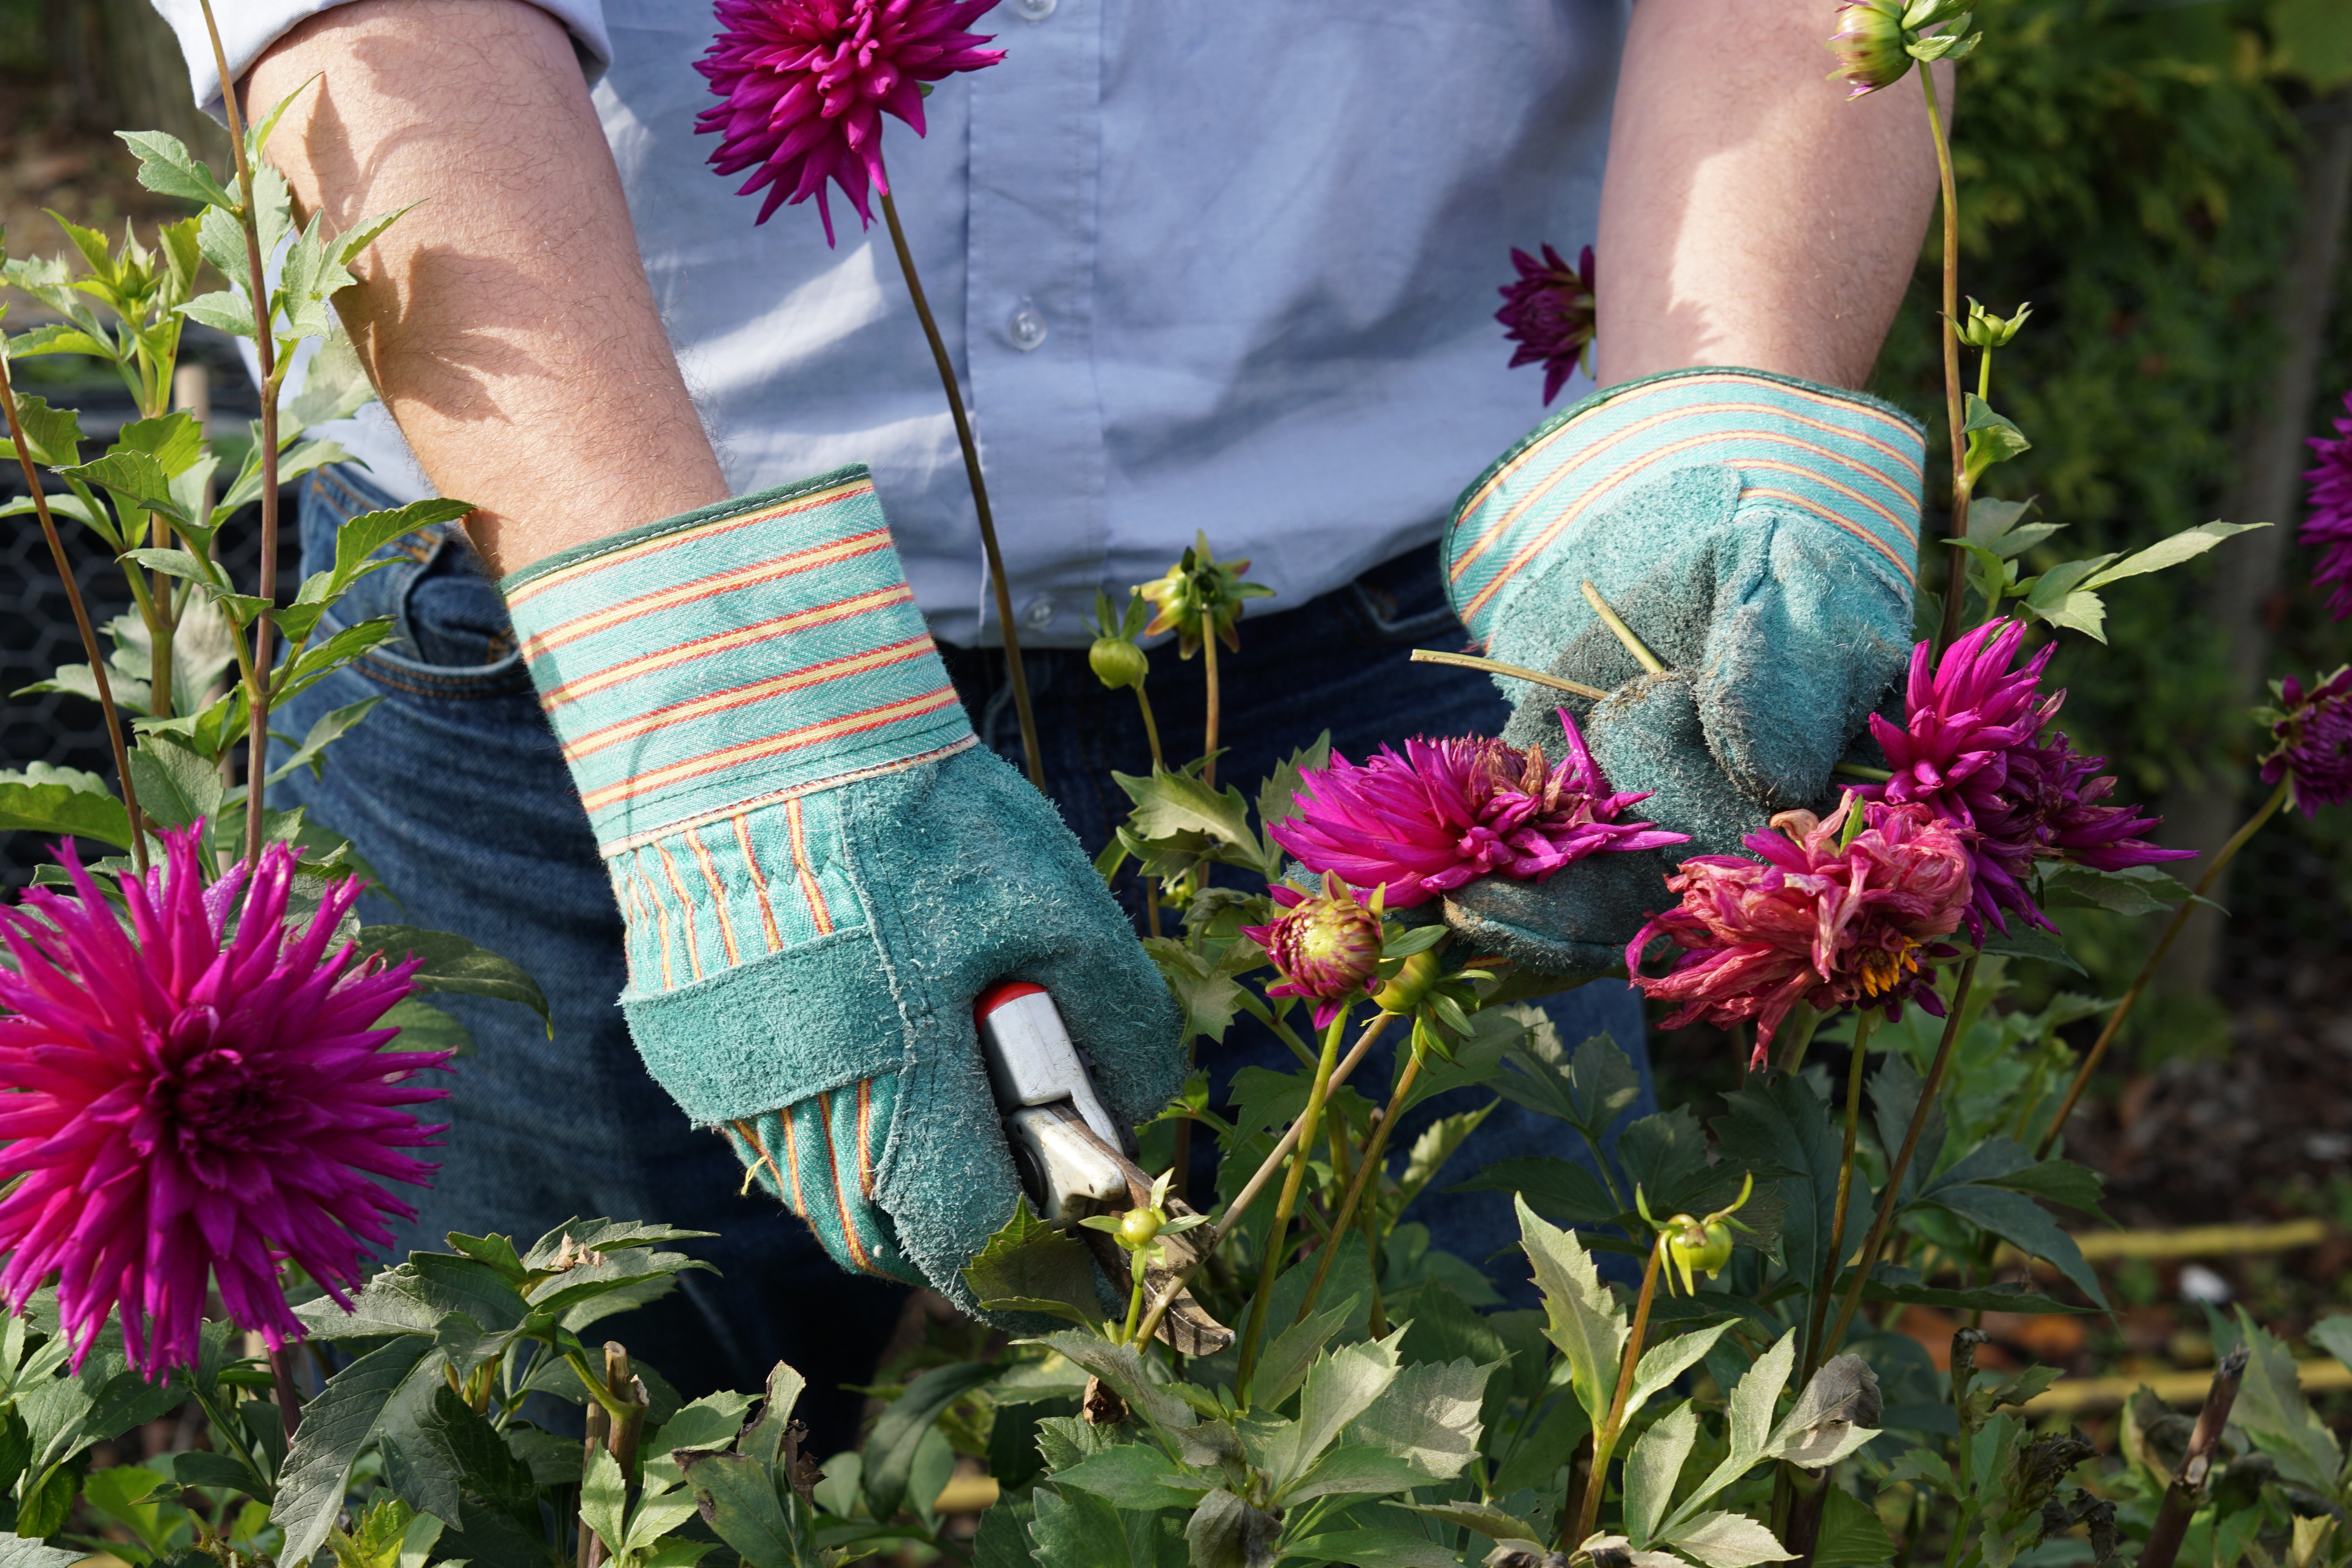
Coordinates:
(1276, 798)
(2273, 1411)
(334, 386)
(1171, 803)
(1079, 1530)
(1283, 1366)
(1224, 1532)
(53, 434)
(223, 311)
(1207, 996)
(1851, 1534)
(1429, 1417)
(2019, 1220)
(1664, 1362)
(1484, 1518)
(739, 1503)
(451, 962)
(890, 1451)
(1340, 1386)
(58, 338)
(1580, 1317)
(2186, 546)
(351, 241)
(336, 1425)
(1651, 1469)
(1727, 1541)
(168, 168)
(176, 784)
(1436, 1145)
(1037, 1264)
(28, 804)
(2145, 889)
(258, 134)
(328, 727)
(2025, 942)
(1134, 1476)
(1749, 1422)
(604, 1501)
(1373, 1548)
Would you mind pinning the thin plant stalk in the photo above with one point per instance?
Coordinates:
(281, 1381)
(265, 346)
(1003, 590)
(1884, 1218)
(1257, 1183)
(1648, 661)
(1515, 672)
(2187, 1493)
(1955, 587)
(2098, 1050)
(1150, 729)
(1277, 1235)
(1366, 1175)
(81, 614)
(1209, 733)
(1604, 1441)
(1863, 1025)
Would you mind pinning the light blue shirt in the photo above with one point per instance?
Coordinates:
(1219, 265)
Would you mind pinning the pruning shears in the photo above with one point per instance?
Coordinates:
(1073, 1157)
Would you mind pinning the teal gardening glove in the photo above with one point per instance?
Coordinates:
(1759, 533)
(820, 868)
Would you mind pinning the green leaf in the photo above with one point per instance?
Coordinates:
(1560, 1190)
(329, 726)
(258, 134)
(890, 1451)
(1033, 1261)
(2021, 1222)
(1436, 1145)
(1429, 1417)
(1372, 1548)
(176, 784)
(1748, 1424)
(2060, 1181)
(174, 441)
(1589, 1092)
(180, 563)
(604, 1500)
(1664, 1362)
(1780, 1127)
(1851, 1535)
(2273, 1411)
(134, 478)
(1283, 1367)
(453, 964)
(2142, 891)
(1580, 1316)
(741, 1504)
(1224, 1532)
(370, 532)
(57, 339)
(1079, 1530)
(1993, 437)
(322, 659)
(1207, 997)
(1276, 799)
(1135, 1476)
(351, 241)
(334, 386)
(29, 803)
(17, 1552)
(1339, 1386)
(1171, 803)
(2023, 942)
(336, 1425)
(222, 310)
(53, 434)
(1887, 1283)
(1484, 1518)
(1351, 1469)
(2186, 546)
(1726, 1540)
(1651, 1469)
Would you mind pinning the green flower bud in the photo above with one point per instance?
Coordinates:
(1413, 982)
(1983, 330)
(1138, 1226)
(1117, 662)
(1869, 44)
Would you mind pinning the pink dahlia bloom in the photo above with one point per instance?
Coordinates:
(806, 83)
(2328, 523)
(1972, 751)
(1327, 949)
(1445, 811)
(1813, 921)
(186, 1105)
(2313, 730)
(1549, 314)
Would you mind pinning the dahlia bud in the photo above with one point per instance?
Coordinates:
(1118, 662)
(1412, 983)
(1869, 45)
(1983, 330)
(1328, 947)
(1694, 1248)
(1201, 597)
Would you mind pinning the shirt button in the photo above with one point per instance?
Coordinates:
(1041, 612)
(1036, 10)
(1027, 327)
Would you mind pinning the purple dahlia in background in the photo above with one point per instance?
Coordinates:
(186, 1106)
(806, 83)
(2313, 730)
(1425, 822)
(2327, 522)
(1549, 312)
(1972, 751)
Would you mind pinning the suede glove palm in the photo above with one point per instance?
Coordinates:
(820, 868)
(1759, 533)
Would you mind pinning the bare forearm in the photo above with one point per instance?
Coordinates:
(506, 321)
(1751, 216)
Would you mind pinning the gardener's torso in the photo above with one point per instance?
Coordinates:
(1203, 264)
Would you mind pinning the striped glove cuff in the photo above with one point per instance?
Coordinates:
(751, 652)
(1845, 458)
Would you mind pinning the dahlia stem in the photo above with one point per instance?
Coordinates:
(1003, 590)
(1515, 672)
(1209, 736)
(2187, 1493)
(264, 348)
(81, 614)
(1366, 1174)
(1258, 1182)
(1616, 623)
(1863, 1023)
(1604, 1441)
(1277, 1235)
(1885, 1217)
(2098, 1051)
(1861, 771)
(1151, 728)
(1955, 590)
(281, 1380)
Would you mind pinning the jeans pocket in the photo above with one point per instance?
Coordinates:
(450, 633)
(1401, 600)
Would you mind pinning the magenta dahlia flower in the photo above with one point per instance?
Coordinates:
(2313, 730)
(1327, 949)
(1829, 925)
(1972, 751)
(2329, 522)
(807, 82)
(1549, 312)
(1445, 811)
(186, 1105)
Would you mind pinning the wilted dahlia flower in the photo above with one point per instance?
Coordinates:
(1549, 312)
(1971, 751)
(2329, 522)
(1328, 948)
(1813, 921)
(807, 82)
(2313, 730)
(186, 1105)
(1445, 811)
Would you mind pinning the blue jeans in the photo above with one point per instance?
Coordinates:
(454, 791)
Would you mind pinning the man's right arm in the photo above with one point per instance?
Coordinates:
(506, 321)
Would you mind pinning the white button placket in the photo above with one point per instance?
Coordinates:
(1029, 318)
